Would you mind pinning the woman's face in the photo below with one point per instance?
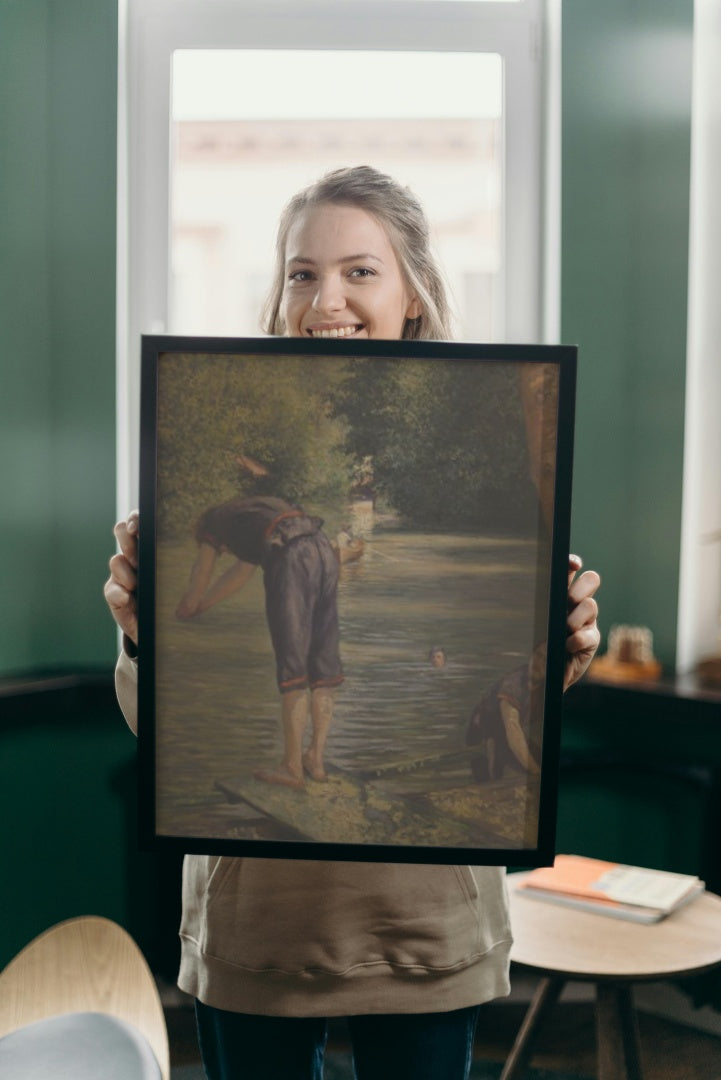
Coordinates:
(342, 277)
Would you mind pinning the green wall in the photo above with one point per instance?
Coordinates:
(626, 146)
(58, 73)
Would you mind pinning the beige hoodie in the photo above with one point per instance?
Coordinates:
(300, 938)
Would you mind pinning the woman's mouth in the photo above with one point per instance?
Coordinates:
(335, 331)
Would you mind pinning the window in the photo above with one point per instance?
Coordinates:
(227, 107)
(235, 161)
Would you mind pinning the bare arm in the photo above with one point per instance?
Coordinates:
(516, 738)
(200, 575)
(200, 594)
(234, 578)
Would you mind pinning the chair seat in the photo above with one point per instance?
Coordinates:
(78, 1046)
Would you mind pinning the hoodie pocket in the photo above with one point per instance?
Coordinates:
(468, 883)
(333, 917)
(203, 877)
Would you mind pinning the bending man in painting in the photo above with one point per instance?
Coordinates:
(300, 577)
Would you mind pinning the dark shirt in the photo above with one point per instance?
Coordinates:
(243, 525)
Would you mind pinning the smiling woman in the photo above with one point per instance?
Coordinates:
(341, 294)
(353, 259)
(270, 946)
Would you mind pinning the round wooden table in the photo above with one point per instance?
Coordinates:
(562, 944)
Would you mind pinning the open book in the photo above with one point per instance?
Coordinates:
(608, 888)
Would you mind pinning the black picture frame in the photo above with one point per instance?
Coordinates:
(442, 475)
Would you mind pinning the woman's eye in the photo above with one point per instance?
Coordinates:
(362, 272)
(300, 276)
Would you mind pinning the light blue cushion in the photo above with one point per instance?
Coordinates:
(79, 1046)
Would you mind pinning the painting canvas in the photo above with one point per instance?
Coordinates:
(352, 597)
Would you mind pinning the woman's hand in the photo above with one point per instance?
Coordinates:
(121, 587)
(583, 635)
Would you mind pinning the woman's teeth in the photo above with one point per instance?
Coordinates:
(337, 331)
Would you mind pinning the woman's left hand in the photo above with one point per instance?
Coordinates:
(583, 635)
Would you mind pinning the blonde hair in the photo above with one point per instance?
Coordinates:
(403, 217)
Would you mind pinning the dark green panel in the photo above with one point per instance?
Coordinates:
(26, 483)
(626, 146)
(57, 316)
(82, 273)
(68, 784)
(624, 817)
(64, 786)
(641, 777)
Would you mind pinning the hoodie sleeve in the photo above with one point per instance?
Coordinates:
(126, 688)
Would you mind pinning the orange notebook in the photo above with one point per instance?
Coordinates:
(631, 892)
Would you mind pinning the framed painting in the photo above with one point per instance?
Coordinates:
(352, 597)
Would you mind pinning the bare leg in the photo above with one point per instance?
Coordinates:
(295, 720)
(321, 711)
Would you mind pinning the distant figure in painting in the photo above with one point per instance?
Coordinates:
(501, 723)
(347, 547)
(300, 576)
(437, 657)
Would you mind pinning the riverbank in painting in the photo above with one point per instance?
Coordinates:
(399, 722)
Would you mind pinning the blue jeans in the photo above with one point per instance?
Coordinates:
(414, 1046)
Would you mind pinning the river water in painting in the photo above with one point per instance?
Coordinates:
(218, 707)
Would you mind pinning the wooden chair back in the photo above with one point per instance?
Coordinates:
(87, 964)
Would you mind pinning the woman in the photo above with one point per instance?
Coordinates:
(272, 948)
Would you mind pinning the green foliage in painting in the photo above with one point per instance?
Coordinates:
(211, 415)
(448, 443)
(443, 445)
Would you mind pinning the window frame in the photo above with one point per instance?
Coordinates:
(526, 34)
(699, 593)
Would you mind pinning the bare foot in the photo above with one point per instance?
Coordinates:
(281, 775)
(312, 770)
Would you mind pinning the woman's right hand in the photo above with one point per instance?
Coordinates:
(121, 587)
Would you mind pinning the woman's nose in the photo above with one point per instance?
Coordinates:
(329, 296)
